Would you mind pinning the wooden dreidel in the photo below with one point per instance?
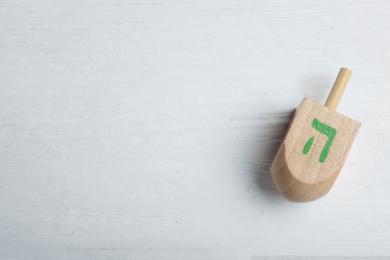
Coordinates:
(315, 147)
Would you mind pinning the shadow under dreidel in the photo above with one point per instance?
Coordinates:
(267, 144)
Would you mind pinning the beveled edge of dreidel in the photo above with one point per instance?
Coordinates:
(313, 151)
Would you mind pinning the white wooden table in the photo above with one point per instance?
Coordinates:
(145, 129)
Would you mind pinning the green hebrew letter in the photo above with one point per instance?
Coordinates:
(329, 131)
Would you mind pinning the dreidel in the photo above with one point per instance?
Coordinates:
(315, 147)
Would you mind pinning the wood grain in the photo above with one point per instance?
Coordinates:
(145, 129)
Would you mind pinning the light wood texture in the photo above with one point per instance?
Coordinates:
(301, 175)
(145, 129)
(338, 88)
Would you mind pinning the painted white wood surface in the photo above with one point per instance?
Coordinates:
(145, 129)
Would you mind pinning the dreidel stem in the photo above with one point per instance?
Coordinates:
(338, 88)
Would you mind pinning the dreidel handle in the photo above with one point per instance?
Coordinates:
(338, 88)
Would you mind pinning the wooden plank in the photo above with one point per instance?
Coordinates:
(146, 129)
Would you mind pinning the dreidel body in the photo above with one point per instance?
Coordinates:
(315, 147)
